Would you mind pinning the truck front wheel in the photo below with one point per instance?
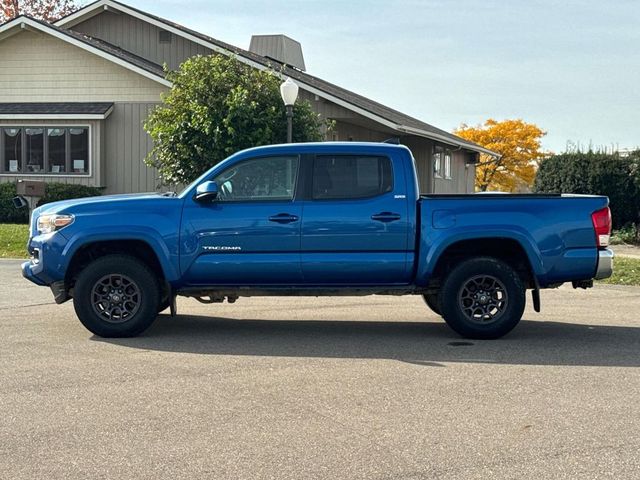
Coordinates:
(483, 298)
(116, 296)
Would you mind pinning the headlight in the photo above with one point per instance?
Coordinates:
(51, 223)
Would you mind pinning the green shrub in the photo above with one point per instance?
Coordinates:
(626, 235)
(596, 173)
(9, 213)
(54, 192)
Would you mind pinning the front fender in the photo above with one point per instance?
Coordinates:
(168, 259)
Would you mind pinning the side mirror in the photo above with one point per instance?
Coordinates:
(206, 191)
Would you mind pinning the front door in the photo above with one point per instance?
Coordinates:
(250, 233)
(355, 224)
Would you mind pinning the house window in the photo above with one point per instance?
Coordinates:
(447, 164)
(437, 162)
(164, 36)
(12, 149)
(34, 149)
(44, 150)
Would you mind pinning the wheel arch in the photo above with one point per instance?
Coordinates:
(133, 246)
(516, 252)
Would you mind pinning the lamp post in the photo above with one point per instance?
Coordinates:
(289, 93)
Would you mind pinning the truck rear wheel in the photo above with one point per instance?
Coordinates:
(433, 302)
(116, 296)
(483, 298)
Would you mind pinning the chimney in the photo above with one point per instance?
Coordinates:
(279, 48)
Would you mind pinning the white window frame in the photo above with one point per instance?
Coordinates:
(46, 127)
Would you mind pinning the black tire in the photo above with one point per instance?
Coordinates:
(125, 281)
(483, 298)
(433, 302)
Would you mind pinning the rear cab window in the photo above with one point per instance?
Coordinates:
(343, 177)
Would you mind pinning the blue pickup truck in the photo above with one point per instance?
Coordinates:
(316, 219)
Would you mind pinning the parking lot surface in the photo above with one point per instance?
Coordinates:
(336, 388)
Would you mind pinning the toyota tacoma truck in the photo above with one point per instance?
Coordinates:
(316, 219)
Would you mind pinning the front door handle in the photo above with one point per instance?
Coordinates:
(283, 218)
(386, 217)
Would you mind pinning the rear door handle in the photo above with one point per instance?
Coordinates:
(283, 218)
(386, 217)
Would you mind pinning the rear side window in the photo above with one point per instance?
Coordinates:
(351, 176)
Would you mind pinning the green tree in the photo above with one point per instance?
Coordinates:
(216, 107)
(596, 173)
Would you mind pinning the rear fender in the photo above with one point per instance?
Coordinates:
(445, 238)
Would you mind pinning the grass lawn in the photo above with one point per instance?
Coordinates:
(626, 271)
(13, 241)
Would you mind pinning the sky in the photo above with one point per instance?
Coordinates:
(571, 67)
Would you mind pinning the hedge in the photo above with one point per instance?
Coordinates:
(53, 192)
(596, 173)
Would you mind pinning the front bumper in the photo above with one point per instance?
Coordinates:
(46, 264)
(30, 271)
(605, 264)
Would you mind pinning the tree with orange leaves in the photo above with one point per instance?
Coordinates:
(517, 142)
(48, 10)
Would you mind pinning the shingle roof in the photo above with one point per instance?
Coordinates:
(382, 111)
(69, 108)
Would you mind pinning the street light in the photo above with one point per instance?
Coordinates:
(289, 93)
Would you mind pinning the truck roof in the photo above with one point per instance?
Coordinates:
(328, 147)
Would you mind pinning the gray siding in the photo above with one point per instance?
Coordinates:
(40, 68)
(422, 149)
(126, 144)
(140, 38)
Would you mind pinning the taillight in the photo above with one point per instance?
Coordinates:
(602, 225)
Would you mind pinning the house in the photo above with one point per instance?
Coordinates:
(74, 96)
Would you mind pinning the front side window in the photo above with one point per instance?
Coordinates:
(44, 150)
(260, 179)
(351, 176)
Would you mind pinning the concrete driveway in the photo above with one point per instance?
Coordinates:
(336, 388)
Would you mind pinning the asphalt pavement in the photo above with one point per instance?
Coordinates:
(336, 388)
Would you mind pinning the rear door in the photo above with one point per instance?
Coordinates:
(355, 221)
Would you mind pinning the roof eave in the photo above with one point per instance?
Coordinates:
(447, 140)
